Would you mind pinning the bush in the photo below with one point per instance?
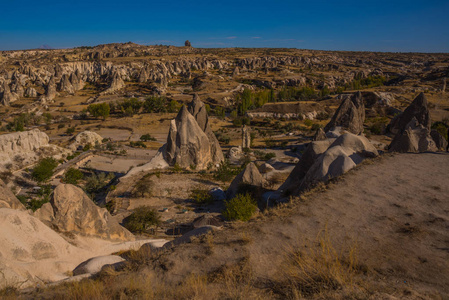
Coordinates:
(142, 220)
(44, 169)
(441, 128)
(225, 172)
(72, 176)
(201, 197)
(138, 144)
(99, 110)
(147, 137)
(242, 207)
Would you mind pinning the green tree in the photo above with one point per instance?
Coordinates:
(73, 175)
(44, 169)
(99, 110)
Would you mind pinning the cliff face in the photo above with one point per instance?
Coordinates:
(20, 149)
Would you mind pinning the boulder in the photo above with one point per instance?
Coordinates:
(95, 264)
(50, 92)
(414, 138)
(439, 140)
(418, 109)
(250, 176)
(217, 194)
(75, 212)
(235, 154)
(265, 168)
(350, 115)
(86, 138)
(8, 199)
(187, 144)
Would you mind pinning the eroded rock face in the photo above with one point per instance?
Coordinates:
(8, 199)
(73, 211)
(350, 115)
(250, 177)
(246, 137)
(414, 138)
(187, 144)
(198, 110)
(440, 141)
(326, 159)
(19, 149)
(26, 245)
(95, 264)
(418, 109)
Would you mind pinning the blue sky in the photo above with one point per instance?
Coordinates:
(394, 25)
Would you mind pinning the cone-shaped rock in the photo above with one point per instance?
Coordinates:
(65, 85)
(249, 177)
(350, 115)
(418, 109)
(198, 110)
(415, 138)
(50, 92)
(187, 144)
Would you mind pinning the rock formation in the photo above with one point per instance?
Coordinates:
(320, 135)
(8, 199)
(350, 115)
(187, 44)
(73, 211)
(199, 112)
(20, 149)
(116, 84)
(418, 109)
(440, 141)
(7, 97)
(50, 92)
(30, 92)
(95, 264)
(246, 137)
(250, 176)
(413, 138)
(326, 159)
(65, 85)
(187, 144)
(86, 138)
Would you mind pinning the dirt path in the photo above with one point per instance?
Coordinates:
(394, 211)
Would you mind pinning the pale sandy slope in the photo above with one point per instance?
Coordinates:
(395, 211)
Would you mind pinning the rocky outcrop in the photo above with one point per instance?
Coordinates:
(246, 137)
(7, 97)
(249, 177)
(8, 199)
(86, 138)
(350, 115)
(116, 84)
(30, 92)
(199, 112)
(65, 85)
(324, 160)
(320, 135)
(187, 144)
(440, 141)
(413, 138)
(20, 149)
(50, 92)
(74, 212)
(28, 248)
(418, 109)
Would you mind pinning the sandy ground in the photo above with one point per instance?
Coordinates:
(394, 211)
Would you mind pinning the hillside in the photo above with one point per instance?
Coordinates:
(377, 232)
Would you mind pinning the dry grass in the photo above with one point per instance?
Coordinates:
(313, 270)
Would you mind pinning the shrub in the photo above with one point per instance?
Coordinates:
(441, 128)
(147, 137)
(44, 169)
(99, 110)
(242, 207)
(225, 172)
(138, 144)
(201, 196)
(142, 220)
(72, 176)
